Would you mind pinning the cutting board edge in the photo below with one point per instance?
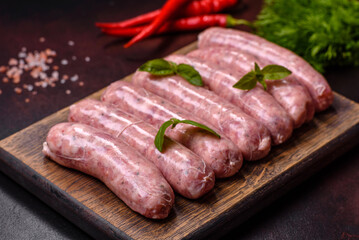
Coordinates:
(268, 195)
(58, 199)
(93, 224)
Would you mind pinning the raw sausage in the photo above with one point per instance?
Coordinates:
(220, 154)
(250, 136)
(135, 180)
(269, 52)
(185, 171)
(291, 95)
(257, 103)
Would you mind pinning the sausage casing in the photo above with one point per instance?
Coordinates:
(220, 154)
(250, 136)
(291, 95)
(185, 171)
(269, 52)
(257, 103)
(135, 180)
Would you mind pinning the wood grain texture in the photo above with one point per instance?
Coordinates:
(101, 213)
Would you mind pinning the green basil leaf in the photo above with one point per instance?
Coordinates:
(160, 136)
(247, 82)
(275, 72)
(257, 70)
(158, 67)
(175, 121)
(263, 82)
(190, 74)
(201, 126)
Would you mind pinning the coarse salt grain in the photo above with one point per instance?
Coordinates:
(30, 87)
(74, 78)
(64, 62)
(10, 73)
(18, 90)
(22, 55)
(73, 58)
(13, 62)
(35, 73)
(16, 79)
(21, 64)
(3, 69)
(37, 63)
(42, 75)
(50, 53)
(55, 74)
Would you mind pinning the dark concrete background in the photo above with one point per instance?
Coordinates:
(324, 207)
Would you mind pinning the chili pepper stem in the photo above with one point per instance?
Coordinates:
(233, 22)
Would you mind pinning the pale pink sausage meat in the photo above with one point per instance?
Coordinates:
(135, 180)
(220, 154)
(291, 95)
(269, 52)
(251, 137)
(185, 171)
(257, 103)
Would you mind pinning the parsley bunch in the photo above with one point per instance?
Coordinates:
(323, 32)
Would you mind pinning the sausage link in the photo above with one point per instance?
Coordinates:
(291, 95)
(257, 103)
(269, 52)
(220, 154)
(251, 137)
(135, 180)
(185, 171)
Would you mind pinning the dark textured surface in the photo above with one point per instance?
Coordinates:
(324, 207)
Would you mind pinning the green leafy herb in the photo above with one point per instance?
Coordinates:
(158, 67)
(159, 139)
(323, 32)
(273, 72)
(269, 72)
(161, 67)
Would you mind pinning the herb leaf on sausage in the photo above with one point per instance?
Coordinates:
(273, 72)
(158, 67)
(159, 139)
(161, 67)
(269, 72)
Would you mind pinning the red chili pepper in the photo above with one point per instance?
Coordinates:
(194, 8)
(184, 24)
(167, 11)
(141, 19)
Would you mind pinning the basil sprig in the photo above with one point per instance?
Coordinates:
(269, 72)
(161, 67)
(159, 139)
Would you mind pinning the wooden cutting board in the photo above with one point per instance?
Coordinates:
(94, 208)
